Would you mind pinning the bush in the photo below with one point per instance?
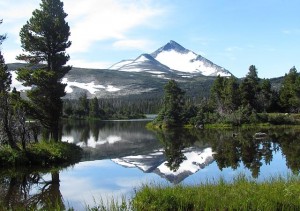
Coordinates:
(281, 119)
(10, 157)
(41, 154)
(49, 153)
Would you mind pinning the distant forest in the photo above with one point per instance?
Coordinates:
(229, 97)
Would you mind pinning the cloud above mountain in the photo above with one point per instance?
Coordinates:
(92, 21)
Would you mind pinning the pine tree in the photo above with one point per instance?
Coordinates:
(249, 89)
(232, 94)
(217, 94)
(45, 38)
(265, 95)
(171, 115)
(5, 107)
(94, 108)
(289, 91)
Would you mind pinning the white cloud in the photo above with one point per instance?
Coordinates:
(91, 22)
(86, 64)
(133, 44)
(94, 20)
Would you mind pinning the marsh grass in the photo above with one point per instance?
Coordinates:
(241, 194)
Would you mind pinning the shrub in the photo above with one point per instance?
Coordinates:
(280, 119)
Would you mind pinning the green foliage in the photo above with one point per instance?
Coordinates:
(41, 154)
(105, 109)
(171, 114)
(49, 153)
(290, 91)
(249, 88)
(241, 194)
(11, 157)
(45, 38)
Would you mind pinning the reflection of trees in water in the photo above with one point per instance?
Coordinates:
(174, 142)
(232, 148)
(17, 191)
(289, 142)
(253, 152)
(84, 129)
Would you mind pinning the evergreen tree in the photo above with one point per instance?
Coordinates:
(83, 105)
(249, 89)
(289, 91)
(217, 94)
(45, 38)
(94, 108)
(5, 107)
(232, 94)
(265, 95)
(171, 115)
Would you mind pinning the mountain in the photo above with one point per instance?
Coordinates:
(142, 77)
(155, 162)
(172, 57)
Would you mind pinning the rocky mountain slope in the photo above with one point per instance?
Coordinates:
(144, 76)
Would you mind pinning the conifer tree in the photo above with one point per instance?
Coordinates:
(289, 92)
(5, 108)
(249, 89)
(45, 39)
(232, 95)
(173, 106)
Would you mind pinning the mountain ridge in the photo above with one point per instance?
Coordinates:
(177, 59)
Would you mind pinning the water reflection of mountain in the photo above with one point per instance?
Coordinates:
(131, 143)
(155, 162)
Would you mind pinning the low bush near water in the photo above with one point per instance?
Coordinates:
(41, 154)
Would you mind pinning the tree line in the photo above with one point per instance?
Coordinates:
(111, 108)
(233, 101)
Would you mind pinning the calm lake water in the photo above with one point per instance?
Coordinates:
(120, 156)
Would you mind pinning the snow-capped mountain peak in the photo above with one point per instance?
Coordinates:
(171, 46)
(169, 58)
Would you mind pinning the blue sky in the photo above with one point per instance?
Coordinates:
(232, 33)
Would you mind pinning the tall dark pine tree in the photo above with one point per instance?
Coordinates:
(173, 106)
(289, 91)
(5, 108)
(45, 39)
(249, 88)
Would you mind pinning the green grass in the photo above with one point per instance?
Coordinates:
(241, 194)
(41, 154)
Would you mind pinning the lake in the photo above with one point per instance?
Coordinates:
(120, 156)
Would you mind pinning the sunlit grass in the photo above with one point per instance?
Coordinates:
(241, 194)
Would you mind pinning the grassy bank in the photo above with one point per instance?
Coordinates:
(41, 154)
(242, 194)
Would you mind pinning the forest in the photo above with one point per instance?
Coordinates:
(234, 102)
(230, 100)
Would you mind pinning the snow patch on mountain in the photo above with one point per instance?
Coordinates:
(178, 61)
(90, 87)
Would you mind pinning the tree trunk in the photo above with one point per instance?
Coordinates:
(8, 132)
